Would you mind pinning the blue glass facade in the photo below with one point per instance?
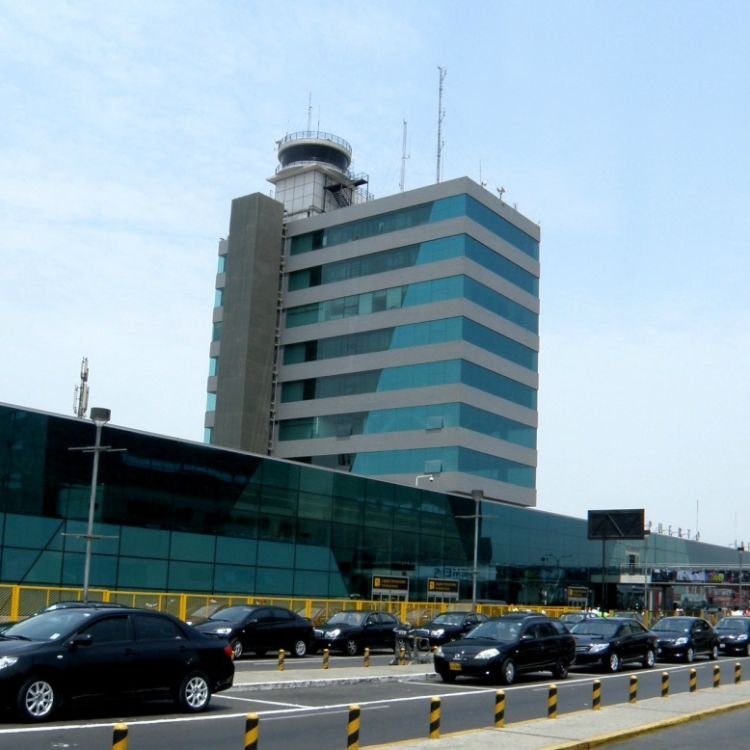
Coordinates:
(178, 516)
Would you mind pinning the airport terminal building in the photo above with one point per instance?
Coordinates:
(173, 515)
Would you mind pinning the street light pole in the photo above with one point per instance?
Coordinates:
(100, 418)
(477, 495)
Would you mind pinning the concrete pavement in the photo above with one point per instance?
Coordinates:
(578, 730)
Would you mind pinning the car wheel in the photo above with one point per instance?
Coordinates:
(194, 693)
(351, 647)
(649, 659)
(613, 663)
(37, 699)
(237, 649)
(690, 655)
(508, 672)
(446, 676)
(560, 670)
(299, 648)
(714, 652)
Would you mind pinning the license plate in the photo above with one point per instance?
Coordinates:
(454, 666)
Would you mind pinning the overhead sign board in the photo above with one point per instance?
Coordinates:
(442, 588)
(390, 585)
(616, 524)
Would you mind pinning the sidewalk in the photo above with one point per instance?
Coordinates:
(578, 730)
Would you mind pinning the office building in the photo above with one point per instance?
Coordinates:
(394, 338)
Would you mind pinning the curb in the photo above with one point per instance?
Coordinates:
(273, 685)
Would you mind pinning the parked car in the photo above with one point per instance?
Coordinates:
(260, 628)
(503, 647)
(447, 626)
(611, 642)
(64, 655)
(682, 637)
(351, 632)
(734, 635)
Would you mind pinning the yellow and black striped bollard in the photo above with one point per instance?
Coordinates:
(596, 695)
(693, 682)
(367, 657)
(717, 675)
(252, 729)
(352, 729)
(402, 656)
(120, 737)
(737, 672)
(435, 718)
(282, 656)
(633, 689)
(499, 709)
(552, 702)
(664, 684)
(326, 657)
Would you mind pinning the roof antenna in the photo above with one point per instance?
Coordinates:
(404, 157)
(81, 392)
(441, 115)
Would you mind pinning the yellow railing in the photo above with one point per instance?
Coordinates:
(17, 602)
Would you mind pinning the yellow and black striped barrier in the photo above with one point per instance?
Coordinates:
(282, 657)
(737, 672)
(252, 730)
(435, 718)
(717, 675)
(120, 737)
(633, 689)
(367, 657)
(499, 709)
(664, 684)
(693, 681)
(326, 658)
(596, 695)
(552, 702)
(352, 728)
(402, 656)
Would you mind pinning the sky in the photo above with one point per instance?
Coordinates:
(126, 129)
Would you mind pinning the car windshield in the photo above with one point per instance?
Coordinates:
(734, 626)
(346, 618)
(48, 626)
(230, 614)
(497, 630)
(673, 625)
(603, 628)
(448, 618)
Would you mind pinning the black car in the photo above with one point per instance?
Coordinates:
(352, 632)
(64, 655)
(260, 628)
(503, 647)
(573, 618)
(734, 635)
(447, 626)
(682, 637)
(611, 642)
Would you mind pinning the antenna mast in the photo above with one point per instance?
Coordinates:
(404, 157)
(441, 115)
(309, 111)
(81, 392)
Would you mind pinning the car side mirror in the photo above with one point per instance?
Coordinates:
(526, 637)
(81, 640)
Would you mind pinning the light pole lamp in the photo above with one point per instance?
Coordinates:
(477, 496)
(100, 417)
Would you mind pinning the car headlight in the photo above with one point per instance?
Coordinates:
(7, 661)
(223, 631)
(742, 637)
(488, 653)
(681, 641)
(438, 633)
(334, 633)
(597, 648)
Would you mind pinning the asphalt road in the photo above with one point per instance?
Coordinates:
(296, 718)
